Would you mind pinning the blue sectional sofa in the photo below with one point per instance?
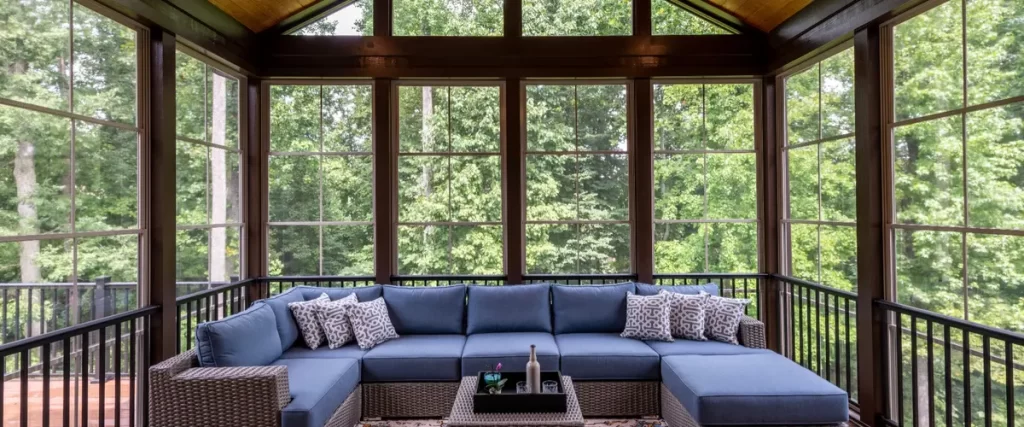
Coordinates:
(253, 368)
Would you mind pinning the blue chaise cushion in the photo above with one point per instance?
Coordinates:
(317, 387)
(415, 358)
(752, 389)
(519, 308)
(426, 310)
(249, 338)
(606, 356)
(648, 289)
(511, 349)
(590, 308)
(681, 347)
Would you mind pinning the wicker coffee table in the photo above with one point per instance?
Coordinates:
(462, 411)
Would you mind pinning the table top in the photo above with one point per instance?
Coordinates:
(463, 415)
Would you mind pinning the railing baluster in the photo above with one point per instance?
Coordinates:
(987, 362)
(131, 372)
(838, 356)
(64, 350)
(849, 368)
(913, 370)
(947, 365)
(931, 373)
(899, 370)
(25, 363)
(828, 343)
(1010, 413)
(968, 417)
(44, 354)
(101, 375)
(84, 367)
(117, 375)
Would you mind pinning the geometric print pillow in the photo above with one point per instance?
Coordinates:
(333, 318)
(370, 323)
(305, 313)
(647, 318)
(723, 317)
(686, 315)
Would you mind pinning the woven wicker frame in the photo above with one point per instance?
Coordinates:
(617, 398)
(409, 400)
(350, 412)
(751, 333)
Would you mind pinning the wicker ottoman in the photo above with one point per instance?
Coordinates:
(462, 411)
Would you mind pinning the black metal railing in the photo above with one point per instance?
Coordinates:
(746, 286)
(278, 284)
(81, 373)
(818, 325)
(947, 371)
(489, 280)
(579, 279)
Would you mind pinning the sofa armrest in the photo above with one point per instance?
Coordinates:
(751, 333)
(181, 394)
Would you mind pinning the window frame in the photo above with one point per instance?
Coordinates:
(265, 125)
(756, 150)
(525, 152)
(785, 243)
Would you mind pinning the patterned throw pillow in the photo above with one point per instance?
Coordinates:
(305, 313)
(370, 323)
(686, 315)
(723, 317)
(333, 318)
(647, 318)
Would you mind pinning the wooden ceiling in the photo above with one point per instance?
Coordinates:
(259, 15)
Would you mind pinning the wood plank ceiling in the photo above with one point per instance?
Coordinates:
(259, 15)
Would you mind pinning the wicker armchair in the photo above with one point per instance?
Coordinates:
(183, 394)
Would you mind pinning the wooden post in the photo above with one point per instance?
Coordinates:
(255, 189)
(642, 17)
(382, 17)
(770, 186)
(514, 176)
(513, 20)
(382, 174)
(643, 178)
(161, 194)
(870, 225)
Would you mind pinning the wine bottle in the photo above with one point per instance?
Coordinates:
(533, 371)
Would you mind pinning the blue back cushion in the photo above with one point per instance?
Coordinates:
(363, 293)
(426, 310)
(248, 338)
(590, 308)
(646, 289)
(286, 326)
(511, 308)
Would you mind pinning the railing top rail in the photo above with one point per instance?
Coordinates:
(713, 275)
(91, 284)
(318, 278)
(212, 291)
(79, 329)
(451, 277)
(816, 286)
(579, 276)
(984, 330)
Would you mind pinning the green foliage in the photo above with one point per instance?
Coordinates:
(668, 19)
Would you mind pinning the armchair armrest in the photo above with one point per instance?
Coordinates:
(751, 333)
(181, 394)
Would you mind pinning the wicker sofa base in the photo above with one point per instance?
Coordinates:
(350, 412)
(617, 398)
(676, 415)
(409, 400)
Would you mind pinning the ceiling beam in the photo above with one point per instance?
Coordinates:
(626, 56)
(309, 14)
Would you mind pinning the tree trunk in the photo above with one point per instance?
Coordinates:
(218, 183)
(426, 133)
(25, 183)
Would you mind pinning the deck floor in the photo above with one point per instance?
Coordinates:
(12, 403)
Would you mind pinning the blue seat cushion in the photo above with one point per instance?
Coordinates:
(488, 309)
(347, 351)
(648, 289)
(752, 389)
(249, 338)
(606, 357)
(511, 349)
(589, 308)
(681, 347)
(317, 387)
(415, 358)
(426, 310)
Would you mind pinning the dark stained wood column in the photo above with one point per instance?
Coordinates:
(382, 17)
(643, 179)
(383, 229)
(513, 18)
(642, 17)
(255, 186)
(514, 177)
(770, 187)
(870, 224)
(161, 195)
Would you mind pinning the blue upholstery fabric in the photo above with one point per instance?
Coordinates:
(511, 349)
(426, 310)
(647, 289)
(415, 358)
(286, 326)
(752, 389)
(363, 293)
(681, 347)
(519, 308)
(606, 357)
(349, 351)
(590, 308)
(248, 338)
(318, 387)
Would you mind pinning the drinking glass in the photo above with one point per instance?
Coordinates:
(522, 388)
(549, 386)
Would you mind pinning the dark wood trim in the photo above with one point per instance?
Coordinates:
(311, 13)
(381, 18)
(870, 224)
(514, 176)
(255, 180)
(642, 17)
(234, 45)
(382, 207)
(161, 194)
(624, 56)
(770, 212)
(216, 19)
(513, 18)
(806, 19)
(643, 180)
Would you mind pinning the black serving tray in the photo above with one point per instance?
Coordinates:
(511, 402)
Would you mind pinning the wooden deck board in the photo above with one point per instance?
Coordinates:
(12, 402)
